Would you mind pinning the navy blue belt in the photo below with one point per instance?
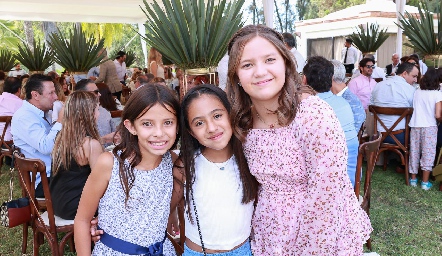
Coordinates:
(130, 248)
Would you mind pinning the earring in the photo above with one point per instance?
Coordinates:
(239, 83)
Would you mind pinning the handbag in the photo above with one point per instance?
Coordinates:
(14, 212)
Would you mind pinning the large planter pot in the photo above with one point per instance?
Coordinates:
(32, 72)
(196, 76)
(365, 53)
(435, 61)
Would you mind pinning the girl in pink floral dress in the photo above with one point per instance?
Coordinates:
(296, 150)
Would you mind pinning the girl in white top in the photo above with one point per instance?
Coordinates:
(156, 63)
(219, 189)
(427, 104)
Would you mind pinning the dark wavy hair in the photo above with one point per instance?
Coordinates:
(106, 99)
(138, 104)
(430, 81)
(241, 114)
(319, 73)
(190, 145)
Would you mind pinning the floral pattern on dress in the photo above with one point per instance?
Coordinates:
(306, 204)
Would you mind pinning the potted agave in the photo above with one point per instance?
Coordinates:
(369, 40)
(422, 35)
(6, 61)
(192, 34)
(37, 59)
(76, 52)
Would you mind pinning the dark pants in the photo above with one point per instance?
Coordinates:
(399, 136)
(39, 193)
(349, 68)
(118, 95)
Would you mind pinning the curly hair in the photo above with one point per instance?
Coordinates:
(289, 98)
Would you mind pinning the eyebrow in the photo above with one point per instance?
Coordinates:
(266, 56)
(211, 112)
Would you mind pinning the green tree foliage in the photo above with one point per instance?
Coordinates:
(321, 8)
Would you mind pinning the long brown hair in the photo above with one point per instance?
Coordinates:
(144, 98)
(106, 99)
(241, 114)
(78, 123)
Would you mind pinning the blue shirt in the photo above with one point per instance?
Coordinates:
(356, 107)
(34, 135)
(394, 92)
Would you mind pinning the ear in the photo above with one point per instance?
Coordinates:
(34, 94)
(129, 126)
(304, 80)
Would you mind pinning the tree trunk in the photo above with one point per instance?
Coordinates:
(29, 33)
(49, 27)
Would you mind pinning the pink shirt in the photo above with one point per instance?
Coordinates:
(9, 103)
(362, 86)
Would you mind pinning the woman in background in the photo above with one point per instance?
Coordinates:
(155, 63)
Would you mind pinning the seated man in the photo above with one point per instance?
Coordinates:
(32, 132)
(318, 73)
(392, 68)
(395, 92)
(10, 101)
(362, 85)
(340, 89)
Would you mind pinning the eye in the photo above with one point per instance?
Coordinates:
(168, 123)
(147, 124)
(247, 65)
(270, 60)
(217, 116)
(198, 123)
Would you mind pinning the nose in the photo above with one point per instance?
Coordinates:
(260, 70)
(211, 126)
(158, 131)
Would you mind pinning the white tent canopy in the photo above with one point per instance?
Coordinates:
(94, 11)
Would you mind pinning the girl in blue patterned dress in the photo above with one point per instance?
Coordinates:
(219, 189)
(132, 186)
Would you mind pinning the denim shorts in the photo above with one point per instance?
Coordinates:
(244, 250)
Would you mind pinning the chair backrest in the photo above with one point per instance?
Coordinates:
(7, 121)
(370, 151)
(402, 113)
(116, 113)
(27, 171)
(378, 80)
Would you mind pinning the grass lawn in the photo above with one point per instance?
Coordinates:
(406, 220)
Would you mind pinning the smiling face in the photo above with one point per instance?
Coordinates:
(209, 124)
(45, 100)
(261, 71)
(156, 130)
(367, 70)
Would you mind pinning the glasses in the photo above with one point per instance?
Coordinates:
(370, 66)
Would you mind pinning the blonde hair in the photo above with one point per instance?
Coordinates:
(289, 98)
(78, 123)
(153, 56)
(59, 90)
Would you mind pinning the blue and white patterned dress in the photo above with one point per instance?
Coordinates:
(144, 220)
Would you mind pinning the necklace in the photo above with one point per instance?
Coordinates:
(220, 166)
(271, 126)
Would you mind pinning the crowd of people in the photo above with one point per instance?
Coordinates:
(266, 167)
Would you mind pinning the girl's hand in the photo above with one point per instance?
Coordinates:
(95, 233)
(173, 226)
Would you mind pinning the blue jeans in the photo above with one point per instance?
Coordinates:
(244, 250)
(399, 136)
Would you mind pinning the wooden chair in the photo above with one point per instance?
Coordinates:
(6, 146)
(43, 224)
(378, 80)
(403, 150)
(116, 113)
(178, 243)
(370, 151)
(125, 94)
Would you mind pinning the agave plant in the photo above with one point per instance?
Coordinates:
(37, 58)
(6, 60)
(420, 31)
(370, 39)
(192, 34)
(76, 53)
(130, 58)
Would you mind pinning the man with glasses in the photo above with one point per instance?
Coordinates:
(362, 85)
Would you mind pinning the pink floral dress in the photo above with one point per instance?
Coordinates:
(306, 203)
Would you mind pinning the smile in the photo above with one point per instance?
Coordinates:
(263, 82)
(216, 136)
(158, 144)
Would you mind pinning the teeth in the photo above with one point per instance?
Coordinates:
(158, 143)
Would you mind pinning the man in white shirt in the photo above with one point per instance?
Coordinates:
(290, 43)
(349, 56)
(392, 68)
(121, 66)
(17, 71)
